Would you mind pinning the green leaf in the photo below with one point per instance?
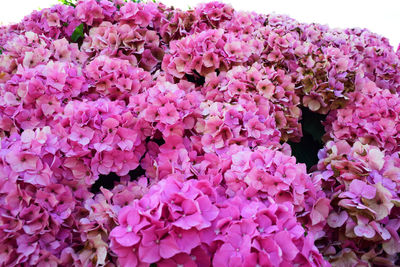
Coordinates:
(77, 34)
(68, 2)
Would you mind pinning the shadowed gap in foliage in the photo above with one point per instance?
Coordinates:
(108, 181)
(196, 78)
(306, 151)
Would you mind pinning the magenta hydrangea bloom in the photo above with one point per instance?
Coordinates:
(235, 230)
(134, 134)
(359, 179)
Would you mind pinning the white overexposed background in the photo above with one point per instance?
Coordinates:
(382, 17)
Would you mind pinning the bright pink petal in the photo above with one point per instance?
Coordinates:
(168, 247)
(149, 254)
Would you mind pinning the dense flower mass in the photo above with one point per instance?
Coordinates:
(136, 134)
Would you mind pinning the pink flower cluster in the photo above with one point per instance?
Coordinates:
(373, 117)
(115, 78)
(257, 87)
(134, 134)
(363, 184)
(55, 23)
(191, 223)
(208, 51)
(269, 174)
(51, 220)
(359, 169)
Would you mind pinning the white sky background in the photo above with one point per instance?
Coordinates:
(382, 17)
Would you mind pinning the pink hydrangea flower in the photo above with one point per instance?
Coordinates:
(161, 136)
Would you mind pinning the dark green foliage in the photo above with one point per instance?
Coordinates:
(68, 2)
(78, 33)
(74, 2)
(306, 151)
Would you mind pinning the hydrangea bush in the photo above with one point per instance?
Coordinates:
(136, 134)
